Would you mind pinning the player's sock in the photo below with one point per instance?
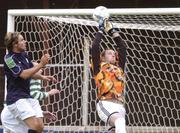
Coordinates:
(120, 125)
(32, 131)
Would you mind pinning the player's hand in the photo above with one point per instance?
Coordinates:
(53, 92)
(109, 28)
(44, 59)
(49, 78)
(107, 25)
(50, 116)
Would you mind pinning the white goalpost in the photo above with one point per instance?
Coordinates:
(152, 37)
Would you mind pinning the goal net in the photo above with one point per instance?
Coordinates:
(152, 37)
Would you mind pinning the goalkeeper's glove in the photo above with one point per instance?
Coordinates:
(107, 26)
(101, 24)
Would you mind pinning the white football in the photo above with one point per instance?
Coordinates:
(100, 12)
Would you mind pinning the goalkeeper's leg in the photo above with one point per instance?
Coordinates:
(118, 120)
(114, 116)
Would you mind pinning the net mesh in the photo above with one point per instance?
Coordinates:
(152, 69)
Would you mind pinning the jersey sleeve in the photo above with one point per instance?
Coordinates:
(13, 65)
(35, 90)
(39, 95)
(96, 53)
(121, 51)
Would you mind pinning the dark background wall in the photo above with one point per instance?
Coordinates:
(59, 4)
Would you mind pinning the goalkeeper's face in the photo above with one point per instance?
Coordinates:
(110, 56)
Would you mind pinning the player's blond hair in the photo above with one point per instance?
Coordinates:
(10, 39)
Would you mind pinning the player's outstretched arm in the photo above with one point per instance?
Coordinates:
(121, 50)
(25, 74)
(41, 95)
(96, 52)
(96, 47)
(109, 28)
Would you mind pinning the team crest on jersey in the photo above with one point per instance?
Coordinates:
(10, 62)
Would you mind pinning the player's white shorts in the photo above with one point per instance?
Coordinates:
(106, 108)
(13, 115)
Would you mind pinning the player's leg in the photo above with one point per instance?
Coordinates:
(118, 120)
(23, 110)
(38, 116)
(104, 113)
(114, 116)
(102, 110)
(35, 124)
(11, 124)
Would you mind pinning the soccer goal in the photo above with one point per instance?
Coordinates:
(152, 93)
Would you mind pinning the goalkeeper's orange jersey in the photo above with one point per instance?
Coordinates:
(110, 81)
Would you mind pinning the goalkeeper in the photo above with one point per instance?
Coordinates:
(109, 76)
